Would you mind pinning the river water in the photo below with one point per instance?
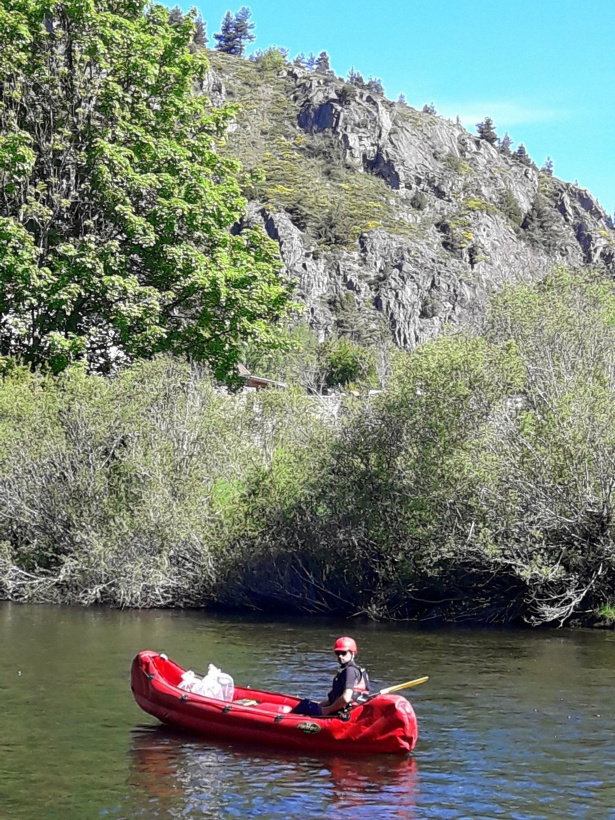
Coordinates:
(513, 724)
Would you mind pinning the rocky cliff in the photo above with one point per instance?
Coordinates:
(397, 218)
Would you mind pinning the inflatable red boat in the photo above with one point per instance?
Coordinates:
(385, 723)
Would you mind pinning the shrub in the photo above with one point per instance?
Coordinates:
(346, 362)
(271, 60)
(511, 208)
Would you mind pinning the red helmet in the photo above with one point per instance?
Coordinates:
(345, 645)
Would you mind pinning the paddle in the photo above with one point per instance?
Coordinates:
(397, 688)
(401, 686)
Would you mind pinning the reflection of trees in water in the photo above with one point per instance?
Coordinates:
(176, 775)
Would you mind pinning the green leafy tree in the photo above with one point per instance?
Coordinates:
(273, 59)
(116, 210)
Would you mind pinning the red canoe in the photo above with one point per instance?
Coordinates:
(386, 723)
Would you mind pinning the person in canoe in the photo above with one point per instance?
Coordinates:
(350, 684)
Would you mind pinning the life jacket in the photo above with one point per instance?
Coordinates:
(360, 688)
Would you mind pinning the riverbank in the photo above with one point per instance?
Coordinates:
(476, 488)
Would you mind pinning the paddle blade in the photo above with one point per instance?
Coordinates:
(403, 685)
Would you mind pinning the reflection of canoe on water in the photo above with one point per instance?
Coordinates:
(179, 773)
(383, 724)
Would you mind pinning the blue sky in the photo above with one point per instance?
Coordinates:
(544, 71)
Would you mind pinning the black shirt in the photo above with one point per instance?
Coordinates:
(347, 678)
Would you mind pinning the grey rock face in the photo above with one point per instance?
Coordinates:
(213, 88)
(481, 218)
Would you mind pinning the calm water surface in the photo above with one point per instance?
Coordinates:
(513, 724)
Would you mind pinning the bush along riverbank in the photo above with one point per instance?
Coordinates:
(478, 486)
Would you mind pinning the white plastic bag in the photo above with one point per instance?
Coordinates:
(216, 684)
(189, 681)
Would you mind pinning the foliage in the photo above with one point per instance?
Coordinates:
(478, 485)
(543, 224)
(375, 85)
(505, 144)
(125, 491)
(551, 496)
(332, 203)
(261, 95)
(116, 211)
(547, 168)
(476, 204)
(458, 233)
(271, 60)
(346, 362)
(176, 16)
(511, 208)
(316, 365)
(486, 131)
(199, 38)
(607, 613)
(235, 31)
(457, 164)
(522, 156)
(355, 78)
(322, 63)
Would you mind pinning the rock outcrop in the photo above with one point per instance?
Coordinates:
(474, 217)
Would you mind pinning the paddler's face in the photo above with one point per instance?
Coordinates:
(343, 657)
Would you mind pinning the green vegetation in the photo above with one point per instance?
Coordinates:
(116, 211)
(511, 208)
(543, 224)
(457, 229)
(343, 361)
(486, 131)
(477, 486)
(307, 175)
(522, 156)
(331, 202)
(457, 164)
(476, 204)
(235, 32)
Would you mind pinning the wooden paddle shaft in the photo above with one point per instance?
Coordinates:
(403, 686)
